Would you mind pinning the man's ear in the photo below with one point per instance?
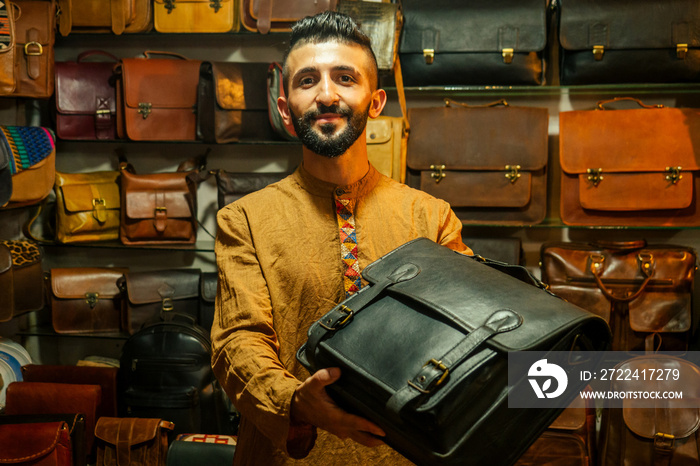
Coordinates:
(377, 103)
(283, 108)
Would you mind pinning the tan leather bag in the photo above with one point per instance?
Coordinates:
(196, 15)
(87, 206)
(156, 97)
(278, 15)
(488, 174)
(142, 441)
(35, 31)
(384, 145)
(115, 16)
(630, 167)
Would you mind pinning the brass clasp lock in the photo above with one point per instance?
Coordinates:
(169, 5)
(673, 174)
(215, 5)
(594, 175)
(513, 173)
(438, 173)
(91, 299)
(598, 52)
(507, 55)
(144, 109)
(664, 441)
(429, 55)
(167, 305)
(681, 51)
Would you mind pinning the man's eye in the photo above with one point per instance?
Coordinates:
(346, 78)
(306, 81)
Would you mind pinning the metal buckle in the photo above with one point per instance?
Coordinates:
(507, 55)
(144, 109)
(341, 323)
(37, 44)
(429, 55)
(681, 51)
(215, 5)
(91, 299)
(594, 175)
(646, 261)
(437, 173)
(161, 209)
(438, 365)
(169, 5)
(167, 305)
(102, 112)
(598, 51)
(512, 174)
(597, 261)
(664, 441)
(673, 174)
(99, 201)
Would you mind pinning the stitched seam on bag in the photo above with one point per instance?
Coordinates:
(40, 453)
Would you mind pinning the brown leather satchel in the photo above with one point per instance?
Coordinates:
(278, 15)
(157, 97)
(630, 167)
(153, 294)
(232, 102)
(76, 429)
(487, 174)
(21, 278)
(160, 208)
(653, 431)
(195, 15)
(231, 186)
(86, 300)
(35, 30)
(643, 291)
(86, 98)
(115, 16)
(43, 443)
(56, 398)
(130, 440)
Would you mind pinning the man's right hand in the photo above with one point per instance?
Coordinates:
(311, 404)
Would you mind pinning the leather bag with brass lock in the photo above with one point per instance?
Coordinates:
(265, 16)
(453, 42)
(157, 97)
(643, 291)
(85, 300)
(112, 16)
(35, 31)
(624, 41)
(628, 163)
(86, 99)
(489, 162)
(196, 16)
(423, 352)
(87, 206)
(151, 295)
(652, 432)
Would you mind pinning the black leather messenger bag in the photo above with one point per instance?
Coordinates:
(424, 348)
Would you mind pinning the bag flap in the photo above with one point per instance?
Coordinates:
(208, 286)
(147, 204)
(630, 140)
(379, 130)
(30, 146)
(459, 26)
(81, 191)
(573, 417)
(161, 82)
(40, 17)
(440, 286)
(22, 443)
(154, 286)
(584, 24)
(245, 182)
(84, 88)
(77, 282)
(24, 253)
(126, 431)
(478, 138)
(240, 86)
(647, 421)
(290, 11)
(479, 188)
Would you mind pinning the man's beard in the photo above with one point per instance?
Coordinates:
(326, 144)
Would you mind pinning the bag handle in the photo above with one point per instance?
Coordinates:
(91, 53)
(621, 245)
(449, 102)
(601, 104)
(646, 266)
(148, 54)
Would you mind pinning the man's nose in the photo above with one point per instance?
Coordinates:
(328, 93)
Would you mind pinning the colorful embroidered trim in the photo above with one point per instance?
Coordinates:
(28, 145)
(5, 35)
(348, 247)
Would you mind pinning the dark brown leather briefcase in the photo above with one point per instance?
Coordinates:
(490, 175)
(423, 351)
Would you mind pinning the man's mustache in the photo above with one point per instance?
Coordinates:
(324, 109)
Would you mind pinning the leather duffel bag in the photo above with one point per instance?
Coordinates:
(424, 352)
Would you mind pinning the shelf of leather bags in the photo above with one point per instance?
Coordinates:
(48, 331)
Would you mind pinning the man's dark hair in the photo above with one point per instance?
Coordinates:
(329, 26)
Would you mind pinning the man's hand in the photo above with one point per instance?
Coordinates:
(311, 404)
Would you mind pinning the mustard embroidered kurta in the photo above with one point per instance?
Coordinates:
(280, 269)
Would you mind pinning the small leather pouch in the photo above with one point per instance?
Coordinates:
(195, 15)
(32, 154)
(231, 186)
(489, 162)
(76, 429)
(87, 206)
(114, 16)
(130, 440)
(56, 398)
(42, 443)
(157, 97)
(35, 32)
(152, 294)
(86, 300)
(21, 278)
(278, 15)
(86, 97)
(232, 102)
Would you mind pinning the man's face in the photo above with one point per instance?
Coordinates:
(330, 95)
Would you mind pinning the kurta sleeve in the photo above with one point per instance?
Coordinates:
(245, 348)
(450, 232)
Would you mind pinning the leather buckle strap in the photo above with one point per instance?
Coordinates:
(32, 51)
(434, 372)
